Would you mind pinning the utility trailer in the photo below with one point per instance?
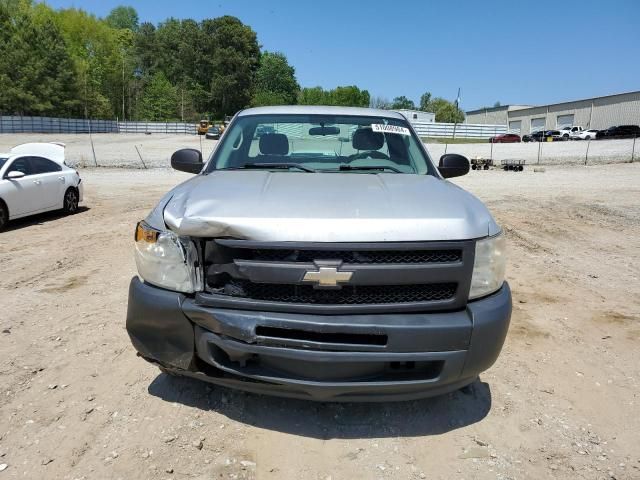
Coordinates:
(480, 163)
(513, 165)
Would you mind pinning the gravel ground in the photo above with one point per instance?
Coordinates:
(561, 402)
(118, 150)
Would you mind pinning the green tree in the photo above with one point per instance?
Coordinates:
(232, 55)
(313, 96)
(97, 53)
(403, 103)
(496, 104)
(268, 98)
(34, 81)
(425, 101)
(275, 82)
(159, 99)
(122, 17)
(145, 47)
(350, 96)
(446, 111)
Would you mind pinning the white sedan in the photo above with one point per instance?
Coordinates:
(34, 179)
(584, 135)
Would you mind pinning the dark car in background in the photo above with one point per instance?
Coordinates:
(555, 135)
(620, 131)
(505, 138)
(544, 136)
(213, 133)
(538, 136)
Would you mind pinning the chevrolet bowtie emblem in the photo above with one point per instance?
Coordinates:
(327, 277)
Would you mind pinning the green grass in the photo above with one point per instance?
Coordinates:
(453, 140)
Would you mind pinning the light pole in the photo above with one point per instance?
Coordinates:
(123, 84)
(456, 113)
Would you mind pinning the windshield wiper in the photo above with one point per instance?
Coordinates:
(372, 167)
(279, 165)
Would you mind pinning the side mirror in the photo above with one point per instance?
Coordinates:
(15, 174)
(187, 160)
(453, 165)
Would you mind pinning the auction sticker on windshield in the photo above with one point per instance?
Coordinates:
(378, 127)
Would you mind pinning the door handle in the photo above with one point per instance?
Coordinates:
(37, 182)
(61, 179)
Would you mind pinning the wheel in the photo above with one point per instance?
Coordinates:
(4, 215)
(473, 167)
(588, 137)
(520, 168)
(486, 167)
(70, 202)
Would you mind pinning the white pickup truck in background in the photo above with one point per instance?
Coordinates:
(584, 135)
(568, 132)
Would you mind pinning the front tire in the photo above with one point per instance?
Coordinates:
(70, 201)
(4, 216)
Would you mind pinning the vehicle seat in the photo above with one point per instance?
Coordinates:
(274, 144)
(367, 139)
(398, 151)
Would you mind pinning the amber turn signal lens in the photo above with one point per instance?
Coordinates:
(144, 233)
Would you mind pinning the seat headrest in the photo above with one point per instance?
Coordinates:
(367, 139)
(274, 144)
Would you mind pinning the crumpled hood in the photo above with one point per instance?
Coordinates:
(324, 207)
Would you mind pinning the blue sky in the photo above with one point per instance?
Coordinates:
(512, 52)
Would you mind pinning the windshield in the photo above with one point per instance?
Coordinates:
(321, 143)
(2, 161)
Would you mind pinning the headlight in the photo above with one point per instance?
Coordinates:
(166, 260)
(489, 266)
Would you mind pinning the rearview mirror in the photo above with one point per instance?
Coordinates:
(14, 174)
(187, 160)
(453, 165)
(324, 131)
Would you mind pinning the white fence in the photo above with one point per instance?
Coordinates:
(17, 124)
(462, 130)
(157, 127)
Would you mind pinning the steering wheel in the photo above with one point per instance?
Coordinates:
(369, 154)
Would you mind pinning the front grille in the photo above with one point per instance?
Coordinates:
(347, 295)
(387, 277)
(351, 256)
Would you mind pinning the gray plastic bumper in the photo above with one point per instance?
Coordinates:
(369, 357)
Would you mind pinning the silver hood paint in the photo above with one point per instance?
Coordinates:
(323, 207)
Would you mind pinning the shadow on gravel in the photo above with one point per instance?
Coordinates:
(41, 218)
(430, 416)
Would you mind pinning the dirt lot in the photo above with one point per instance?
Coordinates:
(561, 402)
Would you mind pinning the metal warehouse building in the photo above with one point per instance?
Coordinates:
(597, 112)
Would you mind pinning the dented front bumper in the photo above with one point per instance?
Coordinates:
(364, 357)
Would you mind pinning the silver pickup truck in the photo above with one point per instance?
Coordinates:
(320, 254)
